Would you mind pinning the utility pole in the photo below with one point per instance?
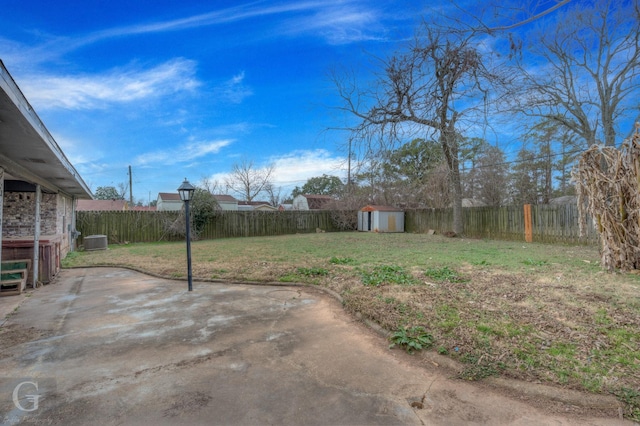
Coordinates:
(130, 189)
(349, 167)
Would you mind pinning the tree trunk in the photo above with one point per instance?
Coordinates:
(458, 224)
(450, 148)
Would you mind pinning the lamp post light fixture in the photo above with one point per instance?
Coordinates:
(186, 193)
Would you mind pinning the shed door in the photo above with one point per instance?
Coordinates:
(368, 221)
(392, 223)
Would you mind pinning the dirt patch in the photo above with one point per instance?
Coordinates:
(13, 335)
(187, 403)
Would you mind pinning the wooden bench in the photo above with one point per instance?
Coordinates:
(13, 276)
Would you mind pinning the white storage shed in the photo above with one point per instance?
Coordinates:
(381, 219)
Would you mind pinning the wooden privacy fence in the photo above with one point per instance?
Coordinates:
(549, 223)
(145, 226)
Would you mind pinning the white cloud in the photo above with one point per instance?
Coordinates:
(296, 167)
(186, 153)
(46, 91)
(338, 23)
(234, 90)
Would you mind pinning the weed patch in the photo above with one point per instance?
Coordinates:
(531, 262)
(387, 275)
(313, 272)
(445, 274)
(631, 399)
(412, 339)
(342, 261)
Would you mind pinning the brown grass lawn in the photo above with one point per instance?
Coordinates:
(538, 312)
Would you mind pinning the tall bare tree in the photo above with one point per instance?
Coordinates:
(580, 67)
(248, 181)
(425, 91)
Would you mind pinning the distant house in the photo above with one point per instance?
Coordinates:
(102, 205)
(473, 202)
(226, 202)
(169, 201)
(567, 199)
(255, 205)
(285, 207)
(311, 202)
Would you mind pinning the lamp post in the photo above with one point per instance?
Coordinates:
(186, 193)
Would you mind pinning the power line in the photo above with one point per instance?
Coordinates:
(528, 159)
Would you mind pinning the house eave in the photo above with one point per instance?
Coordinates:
(27, 150)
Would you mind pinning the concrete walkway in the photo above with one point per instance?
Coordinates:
(111, 346)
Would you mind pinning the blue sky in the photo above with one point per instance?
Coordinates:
(187, 89)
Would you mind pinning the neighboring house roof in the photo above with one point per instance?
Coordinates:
(169, 196)
(285, 207)
(101, 205)
(224, 198)
(253, 203)
(373, 208)
(28, 152)
(265, 208)
(144, 208)
(317, 202)
(566, 199)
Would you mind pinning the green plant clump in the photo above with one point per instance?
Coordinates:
(313, 272)
(342, 261)
(412, 339)
(387, 275)
(532, 262)
(444, 274)
(631, 398)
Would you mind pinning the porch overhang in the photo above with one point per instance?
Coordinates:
(28, 152)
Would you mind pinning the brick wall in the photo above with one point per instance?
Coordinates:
(18, 214)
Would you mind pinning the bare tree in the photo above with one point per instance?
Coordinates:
(424, 91)
(248, 181)
(274, 193)
(122, 190)
(580, 71)
(213, 186)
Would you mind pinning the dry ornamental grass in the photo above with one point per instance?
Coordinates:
(608, 186)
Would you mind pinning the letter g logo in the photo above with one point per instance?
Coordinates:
(33, 399)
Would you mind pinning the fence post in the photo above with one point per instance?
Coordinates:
(528, 228)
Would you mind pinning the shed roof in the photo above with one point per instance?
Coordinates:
(225, 198)
(28, 152)
(374, 208)
(169, 196)
(317, 202)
